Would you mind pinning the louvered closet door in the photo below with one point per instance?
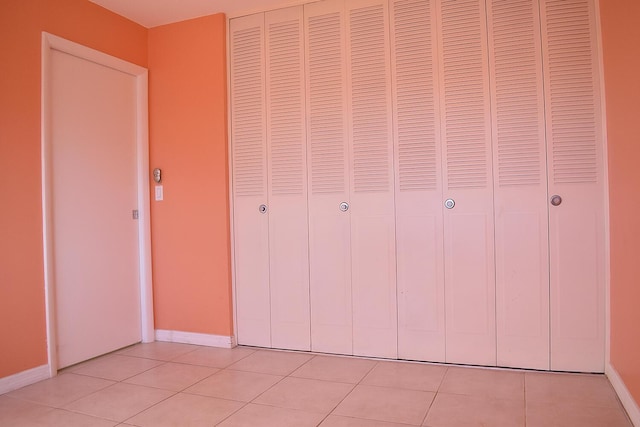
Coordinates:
(468, 226)
(328, 178)
(248, 141)
(286, 153)
(372, 201)
(520, 184)
(576, 229)
(418, 182)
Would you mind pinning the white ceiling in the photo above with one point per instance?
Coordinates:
(151, 13)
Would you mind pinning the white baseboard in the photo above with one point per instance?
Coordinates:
(630, 405)
(24, 378)
(209, 340)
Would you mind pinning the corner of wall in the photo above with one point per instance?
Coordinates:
(627, 400)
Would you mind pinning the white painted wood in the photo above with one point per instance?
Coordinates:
(287, 180)
(457, 85)
(372, 186)
(94, 190)
(575, 159)
(209, 340)
(49, 44)
(469, 226)
(328, 178)
(418, 181)
(627, 400)
(248, 135)
(520, 184)
(605, 172)
(24, 378)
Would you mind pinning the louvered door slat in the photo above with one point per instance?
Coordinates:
(249, 162)
(520, 185)
(575, 159)
(469, 226)
(286, 153)
(371, 167)
(328, 179)
(418, 187)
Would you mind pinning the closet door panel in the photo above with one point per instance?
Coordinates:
(251, 225)
(418, 183)
(575, 159)
(286, 148)
(328, 178)
(371, 168)
(469, 225)
(520, 184)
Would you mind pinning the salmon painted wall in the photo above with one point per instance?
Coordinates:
(188, 131)
(22, 306)
(621, 57)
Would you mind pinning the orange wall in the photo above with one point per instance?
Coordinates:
(22, 307)
(188, 131)
(621, 50)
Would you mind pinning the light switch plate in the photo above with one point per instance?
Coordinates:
(159, 193)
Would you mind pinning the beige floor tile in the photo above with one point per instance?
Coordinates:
(335, 368)
(215, 357)
(60, 390)
(495, 384)
(158, 350)
(172, 376)
(319, 389)
(541, 414)
(114, 367)
(338, 421)
(455, 410)
(412, 376)
(63, 418)
(386, 404)
(234, 385)
(17, 412)
(305, 394)
(186, 410)
(272, 362)
(119, 402)
(580, 389)
(270, 416)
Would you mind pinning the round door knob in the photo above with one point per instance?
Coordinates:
(556, 200)
(262, 208)
(449, 203)
(344, 206)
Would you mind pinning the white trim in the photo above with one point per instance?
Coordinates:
(629, 403)
(208, 340)
(144, 209)
(268, 6)
(605, 173)
(24, 378)
(232, 246)
(51, 42)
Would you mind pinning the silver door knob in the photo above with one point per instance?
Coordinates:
(262, 208)
(449, 203)
(344, 206)
(556, 200)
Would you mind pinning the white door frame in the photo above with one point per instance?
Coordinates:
(49, 44)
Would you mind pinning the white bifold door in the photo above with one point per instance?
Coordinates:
(313, 180)
(352, 224)
(270, 189)
(421, 179)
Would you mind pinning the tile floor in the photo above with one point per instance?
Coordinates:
(168, 384)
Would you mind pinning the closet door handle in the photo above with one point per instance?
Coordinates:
(556, 200)
(262, 208)
(344, 206)
(449, 203)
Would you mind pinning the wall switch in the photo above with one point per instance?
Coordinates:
(159, 193)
